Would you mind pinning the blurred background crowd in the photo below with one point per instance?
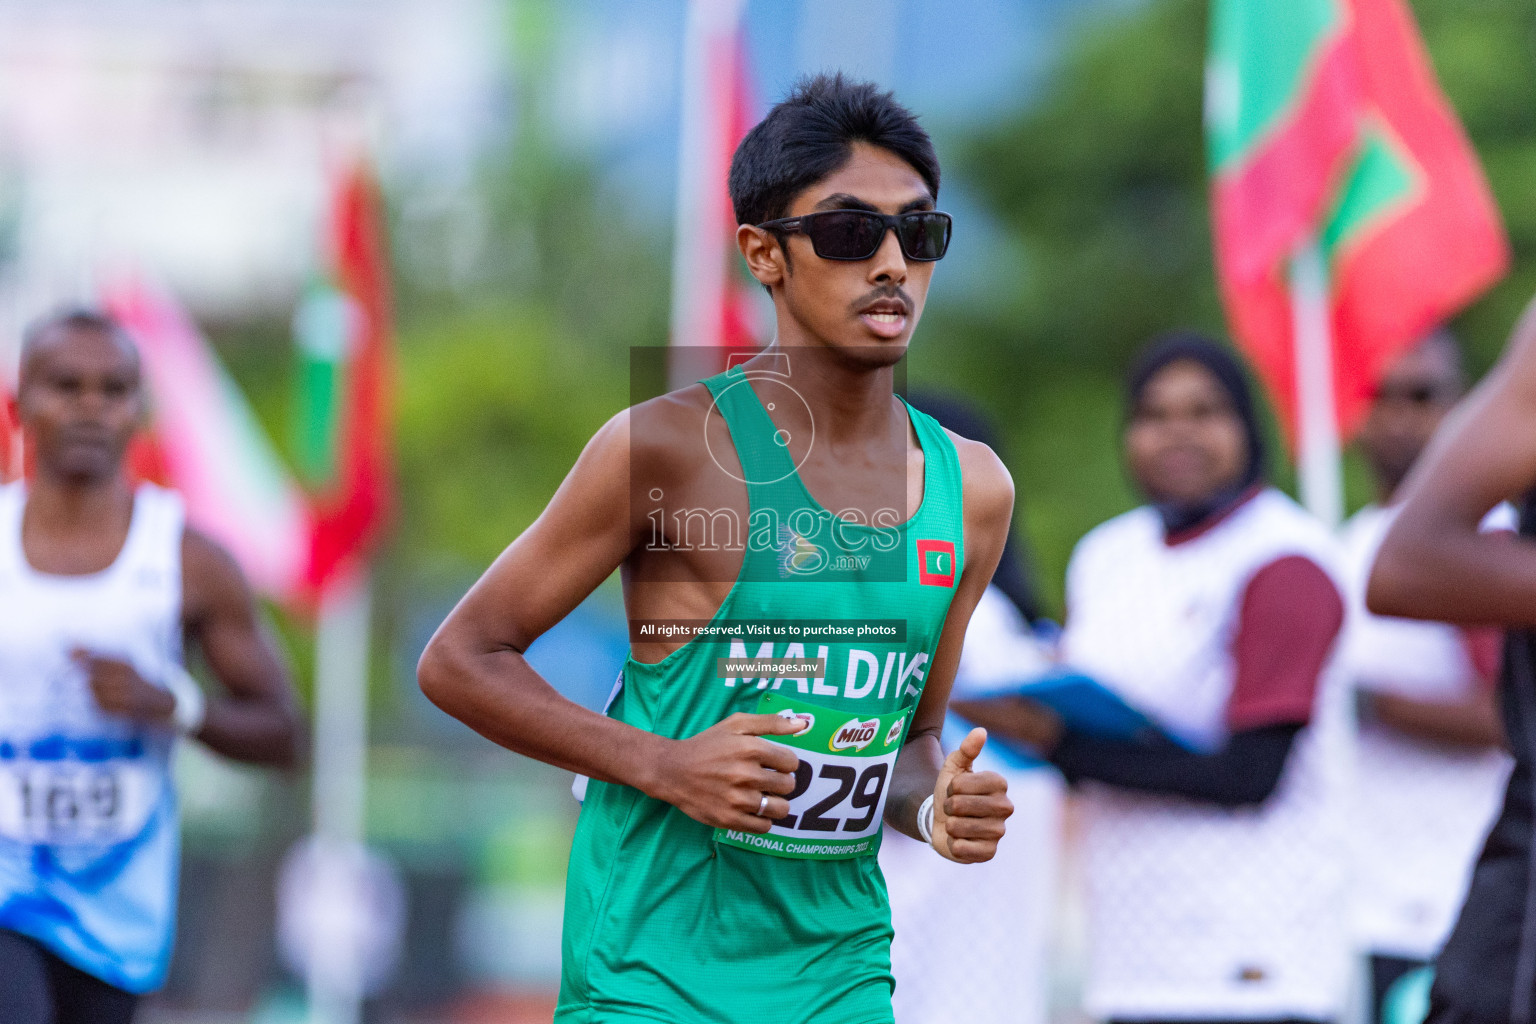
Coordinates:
(193, 163)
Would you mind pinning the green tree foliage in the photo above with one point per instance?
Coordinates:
(1101, 183)
(1103, 180)
(503, 377)
(498, 405)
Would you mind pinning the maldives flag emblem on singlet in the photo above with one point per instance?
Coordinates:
(936, 563)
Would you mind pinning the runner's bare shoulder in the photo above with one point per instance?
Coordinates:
(988, 484)
(671, 438)
(210, 575)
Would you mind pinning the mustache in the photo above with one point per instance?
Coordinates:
(885, 292)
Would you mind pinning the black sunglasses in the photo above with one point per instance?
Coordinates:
(857, 234)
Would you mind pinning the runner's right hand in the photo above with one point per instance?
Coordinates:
(120, 690)
(719, 776)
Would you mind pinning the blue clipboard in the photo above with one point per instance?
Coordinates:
(1088, 706)
(1085, 706)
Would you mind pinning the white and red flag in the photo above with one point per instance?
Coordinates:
(203, 440)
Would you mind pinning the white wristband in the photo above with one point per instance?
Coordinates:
(925, 819)
(191, 704)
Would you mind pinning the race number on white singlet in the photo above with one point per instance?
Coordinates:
(67, 801)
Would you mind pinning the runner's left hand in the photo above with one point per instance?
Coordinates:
(969, 807)
(120, 690)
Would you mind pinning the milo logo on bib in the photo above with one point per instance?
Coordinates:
(855, 734)
(841, 782)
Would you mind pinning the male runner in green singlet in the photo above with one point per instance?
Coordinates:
(723, 868)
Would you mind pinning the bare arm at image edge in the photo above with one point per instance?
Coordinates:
(1434, 563)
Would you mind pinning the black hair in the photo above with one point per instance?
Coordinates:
(69, 318)
(1222, 364)
(808, 136)
(1013, 576)
(72, 318)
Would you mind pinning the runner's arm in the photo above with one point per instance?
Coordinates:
(474, 666)
(1434, 563)
(256, 718)
(976, 803)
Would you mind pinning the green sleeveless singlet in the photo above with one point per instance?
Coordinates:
(668, 920)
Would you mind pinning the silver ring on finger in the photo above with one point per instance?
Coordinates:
(762, 805)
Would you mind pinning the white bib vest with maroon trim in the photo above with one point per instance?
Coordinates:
(1423, 808)
(1198, 911)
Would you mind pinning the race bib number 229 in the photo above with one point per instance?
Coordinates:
(841, 782)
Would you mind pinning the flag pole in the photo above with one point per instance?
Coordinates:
(334, 979)
(1319, 452)
(1320, 461)
(698, 262)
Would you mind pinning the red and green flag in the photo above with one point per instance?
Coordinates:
(1325, 121)
(342, 331)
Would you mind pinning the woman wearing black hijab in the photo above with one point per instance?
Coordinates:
(1231, 400)
(1214, 844)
